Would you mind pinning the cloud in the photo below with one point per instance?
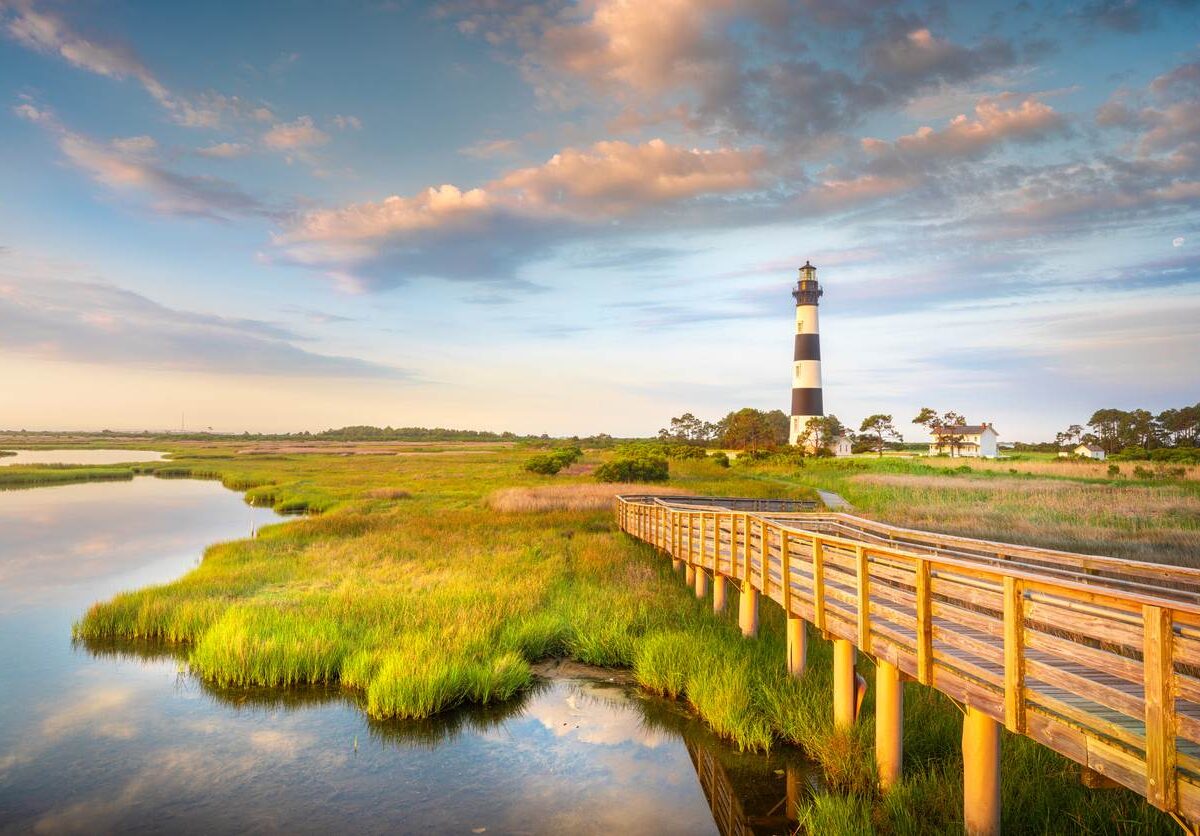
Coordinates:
(996, 120)
(48, 33)
(295, 135)
(722, 66)
(224, 150)
(128, 166)
(1178, 242)
(88, 322)
(603, 182)
(486, 149)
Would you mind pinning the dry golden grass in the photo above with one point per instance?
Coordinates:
(1072, 468)
(1159, 523)
(578, 497)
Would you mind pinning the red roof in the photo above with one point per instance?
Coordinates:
(964, 429)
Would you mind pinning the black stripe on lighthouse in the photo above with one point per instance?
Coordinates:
(808, 346)
(807, 402)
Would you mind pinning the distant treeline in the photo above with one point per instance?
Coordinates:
(1134, 430)
(354, 433)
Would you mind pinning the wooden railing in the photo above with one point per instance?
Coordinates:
(1094, 657)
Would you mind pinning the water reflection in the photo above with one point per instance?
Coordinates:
(79, 456)
(106, 736)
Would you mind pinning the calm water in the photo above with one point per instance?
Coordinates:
(78, 456)
(106, 739)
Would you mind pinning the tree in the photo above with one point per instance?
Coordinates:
(882, 428)
(747, 429)
(945, 428)
(819, 435)
(688, 429)
(1106, 426)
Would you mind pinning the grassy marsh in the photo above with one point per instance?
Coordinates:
(431, 582)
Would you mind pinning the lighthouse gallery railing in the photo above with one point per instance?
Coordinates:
(1096, 658)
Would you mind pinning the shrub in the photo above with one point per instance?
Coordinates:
(640, 469)
(1143, 472)
(720, 459)
(1113, 471)
(546, 464)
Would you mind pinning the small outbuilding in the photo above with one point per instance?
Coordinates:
(842, 446)
(1090, 451)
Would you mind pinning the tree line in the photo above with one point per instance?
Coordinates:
(1116, 430)
(757, 430)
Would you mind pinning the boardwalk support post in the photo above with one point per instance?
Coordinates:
(845, 686)
(689, 575)
(797, 646)
(701, 583)
(889, 722)
(748, 610)
(981, 773)
(719, 585)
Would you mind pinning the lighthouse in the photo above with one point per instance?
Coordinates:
(806, 368)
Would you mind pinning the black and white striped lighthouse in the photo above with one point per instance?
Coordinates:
(806, 370)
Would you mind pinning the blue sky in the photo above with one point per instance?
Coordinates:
(585, 217)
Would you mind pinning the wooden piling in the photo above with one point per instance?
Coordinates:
(748, 610)
(797, 646)
(845, 686)
(981, 773)
(889, 722)
(719, 586)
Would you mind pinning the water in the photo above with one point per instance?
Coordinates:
(120, 738)
(78, 456)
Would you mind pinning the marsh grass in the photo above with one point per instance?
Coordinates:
(446, 598)
(572, 497)
(32, 476)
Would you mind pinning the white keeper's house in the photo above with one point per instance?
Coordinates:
(1091, 451)
(968, 440)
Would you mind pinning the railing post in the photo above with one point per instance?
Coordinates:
(981, 773)
(889, 722)
(1158, 661)
(863, 576)
(818, 569)
(676, 542)
(845, 683)
(1014, 656)
(924, 625)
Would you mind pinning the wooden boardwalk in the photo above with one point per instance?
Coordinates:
(1097, 658)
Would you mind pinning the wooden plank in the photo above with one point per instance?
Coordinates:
(1014, 656)
(1158, 661)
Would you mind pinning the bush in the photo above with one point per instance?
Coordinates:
(640, 469)
(545, 464)
(720, 459)
(1113, 471)
(1143, 472)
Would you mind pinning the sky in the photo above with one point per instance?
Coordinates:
(582, 217)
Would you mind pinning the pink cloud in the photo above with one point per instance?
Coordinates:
(603, 181)
(996, 120)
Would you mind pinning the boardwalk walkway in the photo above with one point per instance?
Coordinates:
(1095, 657)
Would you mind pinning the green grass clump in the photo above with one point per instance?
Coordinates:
(35, 475)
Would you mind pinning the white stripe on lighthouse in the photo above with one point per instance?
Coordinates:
(806, 374)
(806, 320)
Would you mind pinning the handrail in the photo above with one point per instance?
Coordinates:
(1102, 668)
